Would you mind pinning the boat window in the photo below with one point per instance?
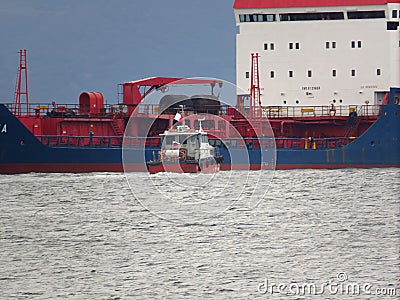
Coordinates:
(371, 14)
(206, 124)
(312, 16)
(169, 139)
(394, 13)
(257, 18)
(183, 139)
(193, 139)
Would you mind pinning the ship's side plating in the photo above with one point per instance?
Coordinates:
(21, 151)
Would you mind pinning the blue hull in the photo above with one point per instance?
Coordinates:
(22, 152)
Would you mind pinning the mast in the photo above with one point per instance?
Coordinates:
(21, 86)
(255, 95)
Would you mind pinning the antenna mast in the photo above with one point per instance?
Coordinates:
(255, 96)
(255, 99)
(21, 86)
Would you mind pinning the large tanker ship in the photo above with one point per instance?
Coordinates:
(318, 83)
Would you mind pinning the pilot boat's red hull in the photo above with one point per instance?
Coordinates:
(183, 167)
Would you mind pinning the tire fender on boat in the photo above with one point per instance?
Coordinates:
(182, 154)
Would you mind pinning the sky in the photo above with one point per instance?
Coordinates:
(94, 45)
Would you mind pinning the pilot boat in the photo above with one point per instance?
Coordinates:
(184, 150)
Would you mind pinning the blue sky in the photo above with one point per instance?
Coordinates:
(93, 45)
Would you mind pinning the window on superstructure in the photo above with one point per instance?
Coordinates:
(353, 72)
(392, 25)
(297, 45)
(290, 73)
(269, 18)
(378, 72)
(309, 73)
(270, 46)
(247, 74)
(353, 44)
(333, 73)
(394, 13)
(330, 45)
(371, 14)
(359, 44)
(290, 46)
(312, 16)
(257, 18)
(272, 74)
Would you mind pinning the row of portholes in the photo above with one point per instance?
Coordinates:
(298, 102)
(395, 113)
(388, 141)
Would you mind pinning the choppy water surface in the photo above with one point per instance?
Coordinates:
(85, 236)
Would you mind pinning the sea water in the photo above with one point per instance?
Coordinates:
(310, 234)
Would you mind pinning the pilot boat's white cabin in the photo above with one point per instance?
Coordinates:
(192, 144)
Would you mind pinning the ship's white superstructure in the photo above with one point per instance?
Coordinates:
(315, 52)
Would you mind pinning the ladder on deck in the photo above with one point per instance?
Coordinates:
(354, 124)
(117, 129)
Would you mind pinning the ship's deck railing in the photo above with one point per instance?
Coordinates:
(319, 111)
(72, 110)
(155, 142)
(98, 141)
(284, 143)
(64, 110)
(274, 111)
